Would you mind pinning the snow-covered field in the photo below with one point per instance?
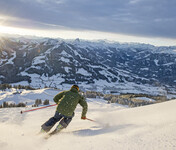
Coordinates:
(151, 127)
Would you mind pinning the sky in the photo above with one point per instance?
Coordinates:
(144, 21)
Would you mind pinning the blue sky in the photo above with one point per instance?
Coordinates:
(150, 21)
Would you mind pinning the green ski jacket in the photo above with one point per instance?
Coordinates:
(67, 102)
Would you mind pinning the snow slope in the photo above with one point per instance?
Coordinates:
(149, 127)
(26, 96)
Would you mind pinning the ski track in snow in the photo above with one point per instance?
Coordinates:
(149, 127)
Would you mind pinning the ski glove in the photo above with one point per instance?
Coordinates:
(83, 118)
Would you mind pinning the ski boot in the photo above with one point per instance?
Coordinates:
(42, 131)
(57, 130)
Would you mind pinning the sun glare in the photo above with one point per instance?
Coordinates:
(85, 34)
(4, 29)
(13, 30)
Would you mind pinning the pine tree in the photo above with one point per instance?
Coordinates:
(38, 102)
(46, 102)
(5, 105)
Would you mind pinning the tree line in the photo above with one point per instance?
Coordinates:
(128, 99)
(7, 105)
(8, 86)
(36, 104)
(39, 102)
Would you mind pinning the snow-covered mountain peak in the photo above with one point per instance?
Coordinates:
(55, 62)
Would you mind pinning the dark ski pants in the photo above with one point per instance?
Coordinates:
(53, 120)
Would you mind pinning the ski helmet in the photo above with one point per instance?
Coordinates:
(75, 86)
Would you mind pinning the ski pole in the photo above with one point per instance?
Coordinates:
(90, 120)
(37, 108)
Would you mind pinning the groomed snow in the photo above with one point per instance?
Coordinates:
(149, 127)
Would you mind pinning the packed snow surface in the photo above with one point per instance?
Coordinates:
(149, 127)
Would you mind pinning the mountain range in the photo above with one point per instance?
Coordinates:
(57, 62)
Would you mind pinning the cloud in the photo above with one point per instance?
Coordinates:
(152, 18)
(134, 1)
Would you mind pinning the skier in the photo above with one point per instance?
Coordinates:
(67, 102)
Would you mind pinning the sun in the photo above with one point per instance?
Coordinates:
(10, 30)
(23, 31)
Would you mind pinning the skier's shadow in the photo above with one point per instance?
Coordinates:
(98, 131)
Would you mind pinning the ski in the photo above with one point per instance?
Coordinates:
(51, 134)
(56, 131)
